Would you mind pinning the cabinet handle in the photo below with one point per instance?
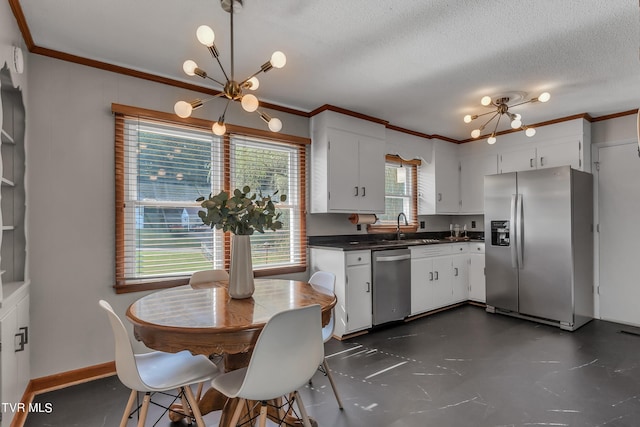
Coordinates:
(356, 191)
(530, 162)
(364, 191)
(368, 286)
(439, 197)
(455, 269)
(541, 161)
(431, 276)
(23, 336)
(436, 275)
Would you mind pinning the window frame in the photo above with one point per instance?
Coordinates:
(122, 113)
(413, 224)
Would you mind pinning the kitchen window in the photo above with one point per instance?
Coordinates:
(401, 183)
(163, 166)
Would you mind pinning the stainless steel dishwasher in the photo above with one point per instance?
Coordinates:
(391, 271)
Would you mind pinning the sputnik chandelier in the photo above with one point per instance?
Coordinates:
(501, 104)
(232, 89)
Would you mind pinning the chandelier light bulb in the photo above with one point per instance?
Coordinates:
(515, 124)
(189, 67)
(249, 103)
(254, 83)
(468, 118)
(278, 59)
(219, 128)
(517, 116)
(275, 125)
(475, 133)
(205, 35)
(492, 139)
(486, 100)
(544, 97)
(183, 109)
(530, 132)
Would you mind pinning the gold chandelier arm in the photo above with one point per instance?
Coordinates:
(497, 123)
(524, 102)
(489, 121)
(214, 80)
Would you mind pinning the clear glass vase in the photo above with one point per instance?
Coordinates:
(241, 272)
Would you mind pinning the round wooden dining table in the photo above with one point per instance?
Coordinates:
(208, 321)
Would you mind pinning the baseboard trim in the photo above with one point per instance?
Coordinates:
(57, 381)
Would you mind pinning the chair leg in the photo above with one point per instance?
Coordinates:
(127, 410)
(193, 403)
(185, 406)
(237, 412)
(263, 415)
(199, 392)
(303, 411)
(333, 384)
(144, 409)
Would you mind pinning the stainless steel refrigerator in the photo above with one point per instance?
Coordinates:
(539, 245)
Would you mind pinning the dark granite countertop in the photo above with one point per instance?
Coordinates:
(358, 242)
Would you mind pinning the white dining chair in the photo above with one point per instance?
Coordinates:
(205, 278)
(157, 371)
(327, 281)
(287, 353)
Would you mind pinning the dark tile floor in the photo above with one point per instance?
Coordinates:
(462, 367)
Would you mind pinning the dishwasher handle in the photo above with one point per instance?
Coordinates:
(392, 258)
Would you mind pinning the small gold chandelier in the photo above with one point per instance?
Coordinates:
(501, 104)
(232, 89)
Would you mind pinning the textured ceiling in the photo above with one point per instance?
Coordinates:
(421, 65)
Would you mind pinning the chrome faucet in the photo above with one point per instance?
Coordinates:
(405, 223)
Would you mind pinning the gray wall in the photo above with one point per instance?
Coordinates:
(71, 220)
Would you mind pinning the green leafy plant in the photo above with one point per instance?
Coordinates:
(241, 214)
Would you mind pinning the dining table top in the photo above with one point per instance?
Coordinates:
(208, 321)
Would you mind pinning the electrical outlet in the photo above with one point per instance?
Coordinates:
(421, 224)
(358, 227)
(473, 224)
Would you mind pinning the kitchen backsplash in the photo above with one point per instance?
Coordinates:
(339, 224)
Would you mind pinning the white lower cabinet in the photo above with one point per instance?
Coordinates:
(460, 273)
(14, 351)
(477, 287)
(353, 286)
(431, 277)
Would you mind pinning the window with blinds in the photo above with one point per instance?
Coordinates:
(163, 167)
(400, 186)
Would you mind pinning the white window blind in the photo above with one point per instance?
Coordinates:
(162, 168)
(399, 188)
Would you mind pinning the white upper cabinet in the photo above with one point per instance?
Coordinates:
(347, 164)
(473, 168)
(562, 144)
(439, 181)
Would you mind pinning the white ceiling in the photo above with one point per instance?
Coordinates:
(421, 65)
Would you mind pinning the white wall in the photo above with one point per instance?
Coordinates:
(70, 168)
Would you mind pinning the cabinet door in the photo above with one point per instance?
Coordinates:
(344, 185)
(442, 276)
(550, 156)
(23, 349)
(9, 361)
(477, 288)
(358, 297)
(460, 278)
(520, 160)
(371, 175)
(473, 169)
(422, 285)
(447, 183)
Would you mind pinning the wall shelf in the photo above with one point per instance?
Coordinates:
(6, 138)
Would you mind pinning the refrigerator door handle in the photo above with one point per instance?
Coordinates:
(512, 236)
(519, 224)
